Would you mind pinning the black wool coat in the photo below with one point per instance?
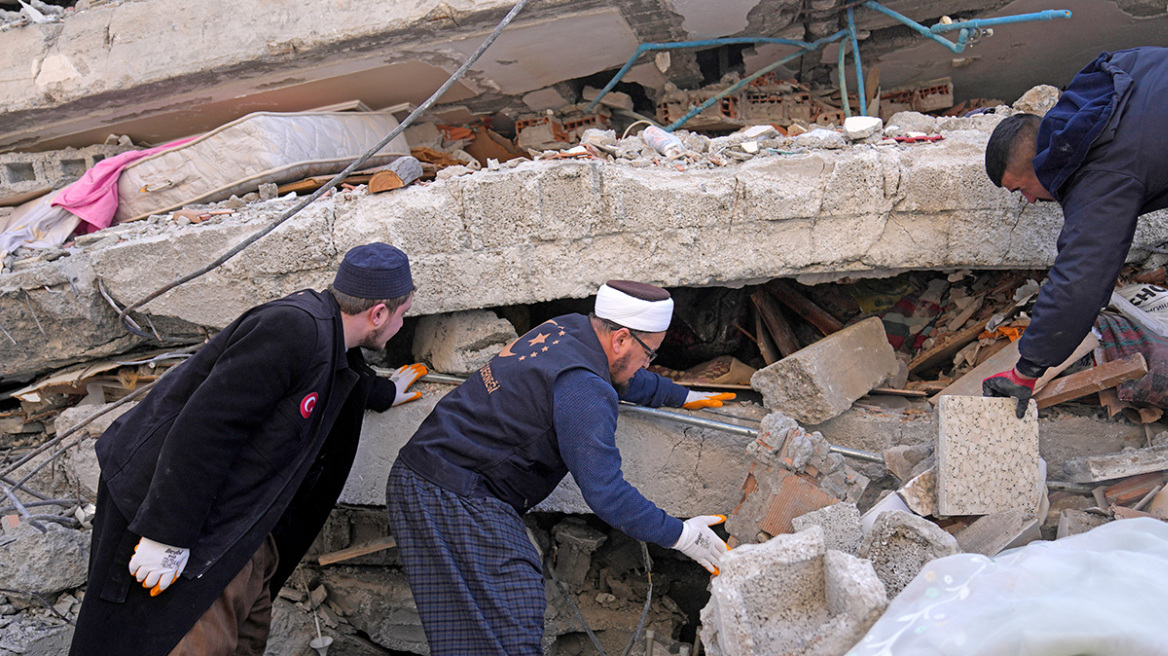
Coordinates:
(254, 434)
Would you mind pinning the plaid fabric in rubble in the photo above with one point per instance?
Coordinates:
(475, 576)
(1120, 337)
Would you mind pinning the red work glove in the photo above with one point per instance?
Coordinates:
(1010, 384)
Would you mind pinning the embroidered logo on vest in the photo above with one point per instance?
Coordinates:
(307, 405)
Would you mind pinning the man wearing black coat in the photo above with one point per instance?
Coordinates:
(1102, 153)
(214, 487)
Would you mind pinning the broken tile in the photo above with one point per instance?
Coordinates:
(790, 595)
(1074, 522)
(900, 544)
(994, 533)
(987, 458)
(1128, 462)
(920, 493)
(822, 380)
(900, 460)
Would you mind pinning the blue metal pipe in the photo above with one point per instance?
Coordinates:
(647, 47)
(875, 6)
(843, 81)
(1049, 14)
(754, 76)
(859, 67)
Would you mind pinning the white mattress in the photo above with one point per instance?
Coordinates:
(259, 148)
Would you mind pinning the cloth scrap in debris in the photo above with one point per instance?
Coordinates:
(1121, 337)
(94, 197)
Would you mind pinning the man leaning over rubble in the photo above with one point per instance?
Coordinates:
(501, 442)
(1102, 153)
(214, 487)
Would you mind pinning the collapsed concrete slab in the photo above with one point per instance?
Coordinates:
(819, 382)
(790, 595)
(1130, 462)
(687, 471)
(818, 215)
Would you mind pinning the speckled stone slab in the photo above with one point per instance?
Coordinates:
(987, 458)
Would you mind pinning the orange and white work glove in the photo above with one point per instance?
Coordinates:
(403, 378)
(701, 543)
(157, 565)
(695, 400)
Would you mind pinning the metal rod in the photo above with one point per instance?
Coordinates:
(647, 47)
(738, 430)
(336, 180)
(1049, 14)
(859, 67)
(843, 80)
(875, 6)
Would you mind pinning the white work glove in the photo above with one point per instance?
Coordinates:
(700, 543)
(403, 378)
(157, 565)
(695, 400)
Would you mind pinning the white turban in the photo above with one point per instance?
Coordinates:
(632, 312)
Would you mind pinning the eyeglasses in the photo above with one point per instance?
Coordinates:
(648, 351)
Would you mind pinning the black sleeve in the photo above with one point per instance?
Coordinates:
(262, 362)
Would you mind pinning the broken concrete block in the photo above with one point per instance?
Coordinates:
(821, 138)
(822, 380)
(575, 543)
(80, 463)
(376, 602)
(862, 127)
(1038, 100)
(461, 342)
(906, 122)
(1074, 522)
(987, 458)
(995, 533)
(900, 460)
(920, 493)
(1128, 462)
(840, 523)
(900, 544)
(44, 563)
(793, 473)
(788, 596)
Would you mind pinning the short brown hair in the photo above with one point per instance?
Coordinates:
(354, 305)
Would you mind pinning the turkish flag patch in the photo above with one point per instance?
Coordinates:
(307, 405)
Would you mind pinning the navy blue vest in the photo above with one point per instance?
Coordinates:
(495, 434)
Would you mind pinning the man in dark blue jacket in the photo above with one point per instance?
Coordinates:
(501, 442)
(213, 487)
(1102, 153)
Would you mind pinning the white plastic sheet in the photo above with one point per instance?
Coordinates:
(1147, 305)
(36, 224)
(1101, 593)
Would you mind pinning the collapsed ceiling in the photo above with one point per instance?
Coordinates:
(164, 69)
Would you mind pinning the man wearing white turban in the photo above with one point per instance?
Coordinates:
(502, 441)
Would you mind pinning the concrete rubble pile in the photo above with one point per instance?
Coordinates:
(870, 454)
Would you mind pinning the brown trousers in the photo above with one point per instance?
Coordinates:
(237, 623)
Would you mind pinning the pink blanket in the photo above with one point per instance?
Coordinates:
(94, 197)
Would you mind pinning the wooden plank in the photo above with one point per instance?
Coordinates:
(373, 546)
(943, 352)
(898, 392)
(772, 316)
(970, 383)
(815, 315)
(1104, 376)
(766, 346)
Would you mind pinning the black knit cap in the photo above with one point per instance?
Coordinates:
(375, 271)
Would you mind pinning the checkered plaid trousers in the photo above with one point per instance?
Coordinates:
(475, 576)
